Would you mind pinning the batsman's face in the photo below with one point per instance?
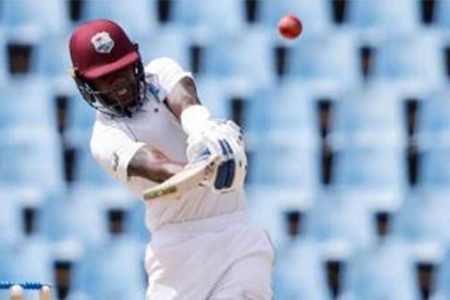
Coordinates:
(119, 86)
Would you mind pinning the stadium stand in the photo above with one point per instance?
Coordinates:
(332, 104)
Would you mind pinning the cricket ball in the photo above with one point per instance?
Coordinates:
(290, 27)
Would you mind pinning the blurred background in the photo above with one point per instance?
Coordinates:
(347, 129)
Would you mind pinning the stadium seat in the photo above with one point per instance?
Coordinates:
(139, 20)
(3, 56)
(53, 58)
(80, 115)
(299, 272)
(442, 14)
(27, 102)
(370, 167)
(29, 260)
(214, 95)
(381, 17)
(385, 271)
(78, 217)
(342, 216)
(171, 42)
(329, 61)
(286, 160)
(40, 162)
(396, 60)
(370, 114)
(137, 223)
(424, 217)
(29, 21)
(268, 205)
(434, 119)
(434, 167)
(224, 15)
(443, 277)
(291, 108)
(117, 270)
(315, 14)
(251, 60)
(10, 219)
(87, 171)
(288, 107)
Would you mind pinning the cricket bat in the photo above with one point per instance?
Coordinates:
(190, 177)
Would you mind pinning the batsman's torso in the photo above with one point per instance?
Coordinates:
(157, 127)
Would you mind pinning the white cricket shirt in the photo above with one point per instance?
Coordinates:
(115, 141)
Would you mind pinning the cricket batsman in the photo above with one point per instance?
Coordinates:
(149, 125)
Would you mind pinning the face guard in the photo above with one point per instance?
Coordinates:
(108, 102)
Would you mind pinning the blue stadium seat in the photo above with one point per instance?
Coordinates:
(139, 20)
(137, 223)
(443, 277)
(396, 60)
(368, 135)
(382, 17)
(102, 273)
(87, 171)
(4, 59)
(342, 216)
(330, 61)
(10, 219)
(80, 115)
(224, 15)
(214, 95)
(286, 160)
(369, 114)
(291, 107)
(434, 119)
(370, 168)
(385, 271)
(28, 20)
(442, 14)
(251, 58)
(53, 57)
(40, 160)
(315, 14)
(27, 102)
(434, 167)
(77, 216)
(29, 260)
(424, 217)
(288, 107)
(299, 272)
(170, 42)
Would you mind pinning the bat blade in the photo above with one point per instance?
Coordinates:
(190, 177)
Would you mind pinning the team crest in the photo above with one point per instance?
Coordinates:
(103, 43)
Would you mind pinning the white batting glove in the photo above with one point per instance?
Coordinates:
(223, 138)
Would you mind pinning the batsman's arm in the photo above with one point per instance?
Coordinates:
(151, 164)
(183, 95)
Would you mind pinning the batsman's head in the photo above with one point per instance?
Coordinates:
(107, 68)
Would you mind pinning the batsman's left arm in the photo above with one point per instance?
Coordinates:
(207, 135)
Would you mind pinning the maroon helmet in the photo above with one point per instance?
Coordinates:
(101, 47)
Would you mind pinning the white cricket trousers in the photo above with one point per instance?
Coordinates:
(220, 258)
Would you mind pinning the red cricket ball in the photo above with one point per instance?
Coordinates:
(290, 26)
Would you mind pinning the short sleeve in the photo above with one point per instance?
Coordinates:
(113, 148)
(168, 72)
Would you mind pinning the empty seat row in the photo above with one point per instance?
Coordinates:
(145, 17)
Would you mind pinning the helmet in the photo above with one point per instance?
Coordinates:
(101, 47)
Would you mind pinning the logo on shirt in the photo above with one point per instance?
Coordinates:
(115, 162)
(103, 43)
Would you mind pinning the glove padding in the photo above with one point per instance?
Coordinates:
(225, 139)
